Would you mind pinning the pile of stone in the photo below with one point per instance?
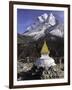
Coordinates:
(47, 73)
(36, 73)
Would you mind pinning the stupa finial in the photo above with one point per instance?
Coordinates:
(45, 49)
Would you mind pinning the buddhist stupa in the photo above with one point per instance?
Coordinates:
(45, 60)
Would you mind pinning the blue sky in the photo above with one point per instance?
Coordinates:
(25, 17)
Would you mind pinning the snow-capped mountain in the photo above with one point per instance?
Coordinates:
(44, 23)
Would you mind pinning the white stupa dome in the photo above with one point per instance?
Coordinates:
(45, 61)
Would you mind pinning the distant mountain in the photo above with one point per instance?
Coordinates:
(46, 24)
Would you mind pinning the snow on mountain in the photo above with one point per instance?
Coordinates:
(57, 32)
(36, 33)
(45, 22)
(43, 17)
(40, 33)
(52, 20)
(39, 30)
(29, 28)
(40, 19)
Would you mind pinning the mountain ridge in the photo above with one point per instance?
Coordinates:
(47, 23)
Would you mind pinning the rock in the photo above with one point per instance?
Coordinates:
(50, 73)
(35, 73)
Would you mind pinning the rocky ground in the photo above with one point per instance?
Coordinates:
(28, 71)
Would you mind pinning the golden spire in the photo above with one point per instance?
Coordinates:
(44, 49)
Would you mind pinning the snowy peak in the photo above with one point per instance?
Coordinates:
(43, 17)
(52, 20)
(49, 18)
